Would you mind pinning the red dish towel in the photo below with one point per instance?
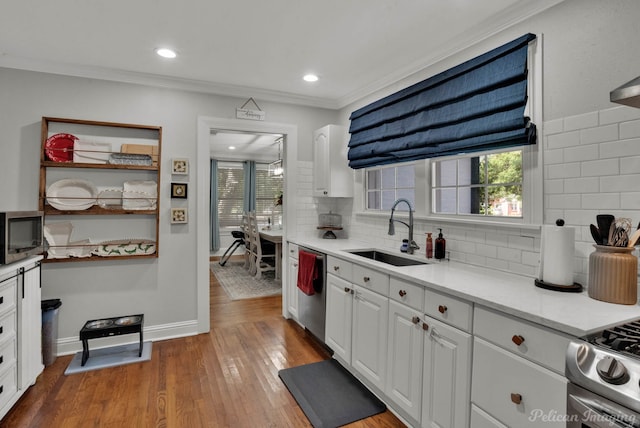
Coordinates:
(307, 272)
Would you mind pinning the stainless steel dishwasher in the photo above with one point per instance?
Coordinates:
(312, 309)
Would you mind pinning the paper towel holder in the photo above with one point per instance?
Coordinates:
(573, 288)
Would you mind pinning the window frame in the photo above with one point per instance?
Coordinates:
(395, 188)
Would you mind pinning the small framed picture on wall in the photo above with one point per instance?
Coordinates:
(179, 190)
(180, 166)
(179, 215)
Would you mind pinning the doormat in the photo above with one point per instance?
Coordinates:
(238, 284)
(110, 357)
(329, 395)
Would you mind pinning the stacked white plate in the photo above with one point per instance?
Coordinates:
(72, 194)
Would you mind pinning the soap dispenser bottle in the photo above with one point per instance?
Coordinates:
(429, 246)
(441, 245)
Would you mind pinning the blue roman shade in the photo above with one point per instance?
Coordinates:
(477, 105)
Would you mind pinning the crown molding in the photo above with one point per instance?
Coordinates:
(100, 73)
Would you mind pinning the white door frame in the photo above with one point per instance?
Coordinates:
(203, 171)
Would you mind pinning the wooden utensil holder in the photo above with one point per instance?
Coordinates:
(613, 275)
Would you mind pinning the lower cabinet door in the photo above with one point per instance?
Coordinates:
(338, 318)
(369, 335)
(446, 395)
(292, 288)
(516, 391)
(481, 419)
(404, 359)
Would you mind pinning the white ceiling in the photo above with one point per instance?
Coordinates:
(250, 48)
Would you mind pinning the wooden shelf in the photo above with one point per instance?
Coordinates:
(118, 135)
(52, 164)
(100, 258)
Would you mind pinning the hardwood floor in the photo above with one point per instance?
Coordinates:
(226, 378)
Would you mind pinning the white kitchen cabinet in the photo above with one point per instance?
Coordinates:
(339, 316)
(404, 358)
(446, 375)
(20, 330)
(518, 368)
(510, 388)
(481, 419)
(369, 335)
(292, 281)
(332, 176)
(29, 325)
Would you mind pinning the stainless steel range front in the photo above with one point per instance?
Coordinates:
(604, 371)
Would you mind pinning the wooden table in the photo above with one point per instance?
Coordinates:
(275, 236)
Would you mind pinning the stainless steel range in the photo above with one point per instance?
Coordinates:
(604, 371)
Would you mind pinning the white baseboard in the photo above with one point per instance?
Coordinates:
(71, 345)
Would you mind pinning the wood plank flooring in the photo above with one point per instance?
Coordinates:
(226, 378)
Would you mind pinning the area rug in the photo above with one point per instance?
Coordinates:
(109, 357)
(329, 395)
(238, 284)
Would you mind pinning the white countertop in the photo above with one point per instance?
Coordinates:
(572, 313)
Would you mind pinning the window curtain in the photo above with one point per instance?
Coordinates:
(214, 242)
(249, 186)
(477, 105)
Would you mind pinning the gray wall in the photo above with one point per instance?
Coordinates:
(163, 289)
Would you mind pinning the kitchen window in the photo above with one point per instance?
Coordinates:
(231, 193)
(489, 184)
(386, 184)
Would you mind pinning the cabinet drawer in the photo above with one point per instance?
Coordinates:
(537, 343)
(513, 389)
(405, 292)
(339, 267)
(293, 250)
(448, 309)
(8, 385)
(371, 279)
(7, 296)
(7, 325)
(481, 419)
(7, 354)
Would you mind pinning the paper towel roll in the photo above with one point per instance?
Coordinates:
(556, 259)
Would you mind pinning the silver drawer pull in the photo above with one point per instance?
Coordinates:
(415, 319)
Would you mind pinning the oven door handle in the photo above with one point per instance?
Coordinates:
(599, 416)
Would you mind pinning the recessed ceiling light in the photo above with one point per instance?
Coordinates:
(310, 78)
(166, 53)
(231, 147)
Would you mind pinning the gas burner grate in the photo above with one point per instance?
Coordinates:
(624, 338)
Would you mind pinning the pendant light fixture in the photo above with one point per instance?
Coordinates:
(275, 168)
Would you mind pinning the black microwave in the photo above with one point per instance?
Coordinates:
(20, 235)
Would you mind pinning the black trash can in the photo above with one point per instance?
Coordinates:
(50, 330)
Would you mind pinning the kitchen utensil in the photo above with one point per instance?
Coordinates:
(604, 222)
(619, 232)
(595, 234)
(633, 240)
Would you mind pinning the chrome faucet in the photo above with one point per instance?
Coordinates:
(392, 231)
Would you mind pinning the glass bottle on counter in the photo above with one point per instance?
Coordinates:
(429, 246)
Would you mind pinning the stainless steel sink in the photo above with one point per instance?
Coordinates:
(388, 258)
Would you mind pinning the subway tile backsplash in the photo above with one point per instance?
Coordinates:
(591, 166)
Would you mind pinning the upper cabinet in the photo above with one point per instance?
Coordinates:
(99, 189)
(332, 176)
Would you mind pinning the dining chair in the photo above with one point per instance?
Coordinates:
(260, 251)
(246, 229)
